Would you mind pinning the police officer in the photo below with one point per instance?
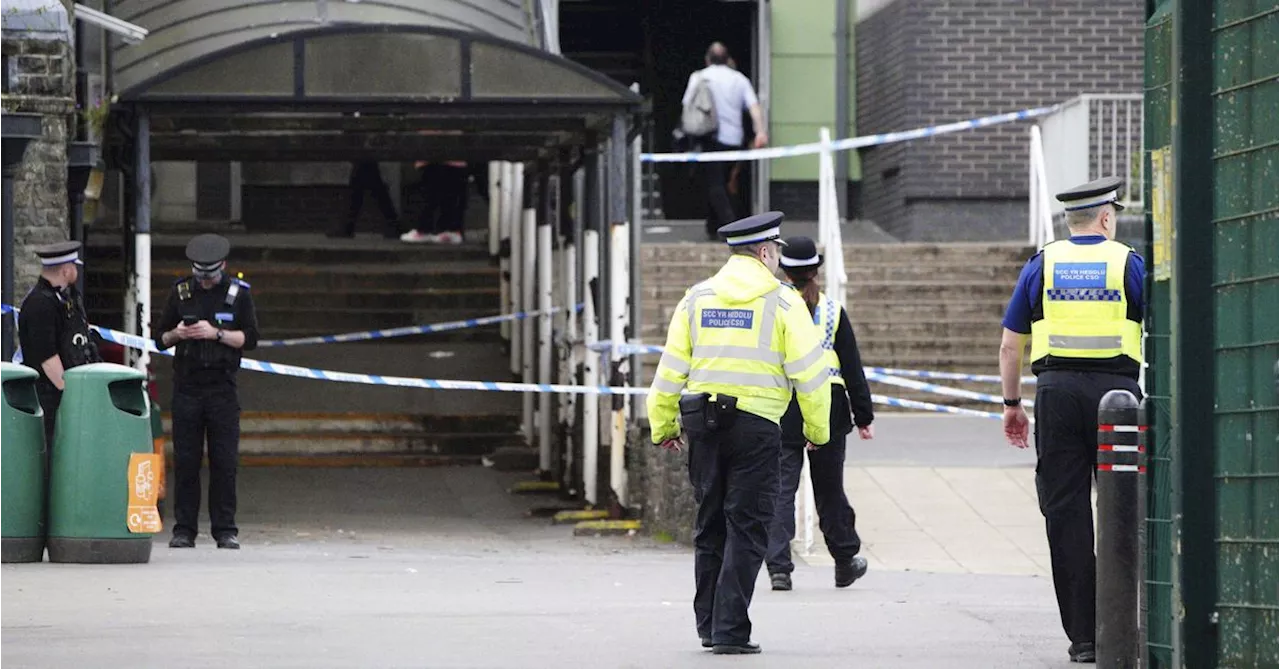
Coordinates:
(1080, 300)
(850, 406)
(53, 328)
(210, 318)
(740, 342)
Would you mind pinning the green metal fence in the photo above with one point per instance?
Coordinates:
(1212, 148)
(1158, 86)
(1245, 260)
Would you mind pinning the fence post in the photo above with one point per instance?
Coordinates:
(1121, 468)
(545, 260)
(528, 300)
(590, 368)
(513, 222)
(619, 320)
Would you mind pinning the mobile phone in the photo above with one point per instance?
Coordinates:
(190, 320)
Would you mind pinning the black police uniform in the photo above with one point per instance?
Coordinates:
(850, 405)
(1068, 391)
(53, 323)
(205, 402)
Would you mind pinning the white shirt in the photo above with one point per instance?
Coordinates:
(733, 95)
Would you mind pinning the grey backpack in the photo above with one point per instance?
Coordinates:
(698, 119)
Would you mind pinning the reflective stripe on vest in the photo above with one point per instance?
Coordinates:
(1084, 304)
(827, 318)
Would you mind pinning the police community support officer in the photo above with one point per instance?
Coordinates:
(210, 318)
(53, 328)
(850, 406)
(1081, 302)
(740, 342)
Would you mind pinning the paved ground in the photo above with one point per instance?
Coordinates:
(442, 568)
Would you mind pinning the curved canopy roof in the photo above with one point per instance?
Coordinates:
(247, 78)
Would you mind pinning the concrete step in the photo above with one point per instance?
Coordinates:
(679, 275)
(469, 360)
(383, 299)
(295, 248)
(265, 277)
(286, 323)
(906, 253)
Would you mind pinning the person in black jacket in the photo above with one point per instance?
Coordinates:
(850, 407)
(210, 320)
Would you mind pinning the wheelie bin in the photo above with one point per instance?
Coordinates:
(104, 475)
(22, 466)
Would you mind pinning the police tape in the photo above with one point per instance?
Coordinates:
(410, 330)
(844, 144)
(136, 342)
(648, 349)
(939, 390)
(942, 376)
(929, 406)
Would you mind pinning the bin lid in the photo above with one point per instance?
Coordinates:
(12, 371)
(105, 371)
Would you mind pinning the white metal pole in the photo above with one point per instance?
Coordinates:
(495, 211)
(500, 206)
(528, 278)
(142, 282)
(545, 260)
(569, 351)
(619, 286)
(590, 368)
(515, 217)
(1033, 188)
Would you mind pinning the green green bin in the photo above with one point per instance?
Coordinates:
(104, 420)
(21, 466)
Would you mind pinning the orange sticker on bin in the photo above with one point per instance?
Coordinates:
(144, 488)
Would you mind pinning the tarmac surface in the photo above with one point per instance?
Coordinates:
(444, 568)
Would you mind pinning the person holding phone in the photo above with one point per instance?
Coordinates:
(210, 319)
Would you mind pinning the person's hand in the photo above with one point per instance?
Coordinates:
(761, 140)
(867, 432)
(808, 445)
(183, 331)
(676, 444)
(203, 330)
(1016, 426)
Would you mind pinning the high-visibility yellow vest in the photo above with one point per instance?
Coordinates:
(745, 334)
(826, 317)
(1084, 304)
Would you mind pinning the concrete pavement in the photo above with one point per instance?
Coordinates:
(442, 568)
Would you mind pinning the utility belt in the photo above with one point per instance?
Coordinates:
(708, 413)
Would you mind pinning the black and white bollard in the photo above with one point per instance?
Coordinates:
(1122, 469)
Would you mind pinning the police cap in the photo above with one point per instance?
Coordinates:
(208, 251)
(766, 227)
(52, 255)
(1093, 194)
(800, 253)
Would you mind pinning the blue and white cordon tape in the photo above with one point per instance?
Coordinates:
(843, 144)
(939, 390)
(410, 330)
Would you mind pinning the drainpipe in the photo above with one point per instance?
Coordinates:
(842, 105)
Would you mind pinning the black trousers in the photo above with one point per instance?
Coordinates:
(201, 412)
(734, 473)
(721, 208)
(50, 399)
(366, 177)
(1066, 459)
(836, 518)
(444, 190)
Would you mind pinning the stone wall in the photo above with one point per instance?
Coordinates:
(659, 487)
(44, 84)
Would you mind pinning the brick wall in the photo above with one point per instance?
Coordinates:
(922, 62)
(44, 86)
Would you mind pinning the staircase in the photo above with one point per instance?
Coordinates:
(305, 285)
(932, 307)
